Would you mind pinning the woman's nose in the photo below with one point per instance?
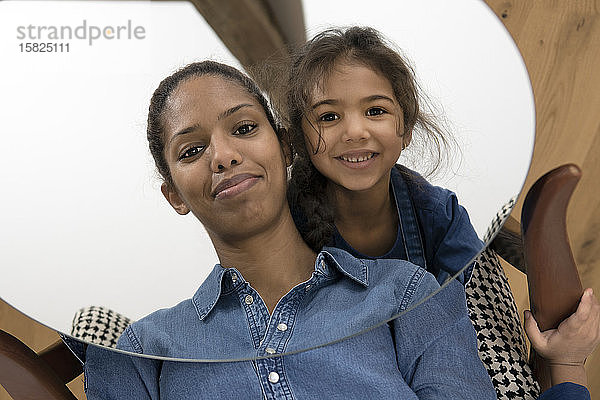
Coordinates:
(225, 154)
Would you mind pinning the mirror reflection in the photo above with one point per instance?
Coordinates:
(89, 224)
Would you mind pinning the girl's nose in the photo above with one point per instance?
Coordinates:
(355, 129)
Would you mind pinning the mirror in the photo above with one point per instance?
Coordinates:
(83, 221)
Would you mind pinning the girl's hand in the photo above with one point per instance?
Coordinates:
(567, 347)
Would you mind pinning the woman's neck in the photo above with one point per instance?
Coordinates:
(366, 219)
(272, 261)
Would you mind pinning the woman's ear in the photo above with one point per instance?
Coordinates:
(286, 146)
(174, 199)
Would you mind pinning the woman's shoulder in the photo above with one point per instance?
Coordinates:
(153, 333)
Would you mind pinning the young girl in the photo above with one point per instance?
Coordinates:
(352, 107)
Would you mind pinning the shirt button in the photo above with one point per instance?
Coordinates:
(270, 350)
(273, 377)
(234, 277)
(248, 299)
(282, 327)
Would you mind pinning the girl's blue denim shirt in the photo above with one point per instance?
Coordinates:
(434, 230)
(429, 352)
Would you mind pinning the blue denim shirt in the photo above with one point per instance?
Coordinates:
(429, 352)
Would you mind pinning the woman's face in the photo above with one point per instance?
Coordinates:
(361, 127)
(226, 163)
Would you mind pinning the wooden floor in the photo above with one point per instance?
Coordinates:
(560, 43)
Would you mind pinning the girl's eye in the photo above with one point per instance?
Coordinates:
(328, 117)
(191, 152)
(245, 129)
(375, 111)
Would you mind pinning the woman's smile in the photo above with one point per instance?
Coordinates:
(229, 188)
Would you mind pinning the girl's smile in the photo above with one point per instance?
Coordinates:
(357, 159)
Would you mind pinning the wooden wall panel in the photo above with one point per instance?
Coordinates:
(560, 43)
(34, 335)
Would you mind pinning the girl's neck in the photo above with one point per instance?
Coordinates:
(272, 261)
(366, 219)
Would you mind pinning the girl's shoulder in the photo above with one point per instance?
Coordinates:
(423, 194)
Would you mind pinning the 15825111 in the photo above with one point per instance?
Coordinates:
(44, 47)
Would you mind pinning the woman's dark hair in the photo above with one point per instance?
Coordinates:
(310, 68)
(155, 130)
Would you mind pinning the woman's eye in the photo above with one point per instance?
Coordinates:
(375, 111)
(328, 117)
(245, 129)
(191, 152)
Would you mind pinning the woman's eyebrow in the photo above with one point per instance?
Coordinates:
(224, 114)
(232, 110)
(185, 131)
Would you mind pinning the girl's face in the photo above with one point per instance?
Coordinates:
(360, 124)
(226, 163)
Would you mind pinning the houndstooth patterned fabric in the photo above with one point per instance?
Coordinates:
(499, 219)
(493, 312)
(99, 325)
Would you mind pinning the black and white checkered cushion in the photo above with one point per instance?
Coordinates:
(99, 325)
(493, 312)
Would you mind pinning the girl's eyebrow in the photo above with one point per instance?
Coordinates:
(364, 100)
(326, 101)
(221, 116)
(378, 97)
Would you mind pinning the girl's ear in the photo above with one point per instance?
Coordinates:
(174, 199)
(406, 138)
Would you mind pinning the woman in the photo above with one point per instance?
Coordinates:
(223, 158)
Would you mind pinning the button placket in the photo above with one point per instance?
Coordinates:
(256, 313)
(273, 378)
(278, 332)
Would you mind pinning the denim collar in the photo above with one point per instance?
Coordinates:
(330, 261)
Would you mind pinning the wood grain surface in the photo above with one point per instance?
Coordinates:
(560, 44)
